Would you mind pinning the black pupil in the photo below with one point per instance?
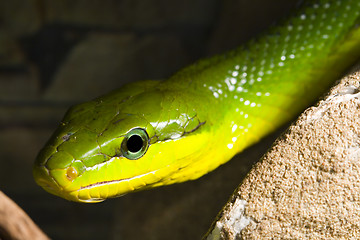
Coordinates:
(134, 143)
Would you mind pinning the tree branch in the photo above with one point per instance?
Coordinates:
(15, 223)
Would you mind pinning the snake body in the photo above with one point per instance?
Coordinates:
(154, 133)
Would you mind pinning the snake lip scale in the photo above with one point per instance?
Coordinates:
(97, 184)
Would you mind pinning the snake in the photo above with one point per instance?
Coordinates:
(153, 133)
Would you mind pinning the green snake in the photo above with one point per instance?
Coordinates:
(153, 133)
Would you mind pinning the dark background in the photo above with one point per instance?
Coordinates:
(57, 53)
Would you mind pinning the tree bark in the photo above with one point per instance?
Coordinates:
(15, 223)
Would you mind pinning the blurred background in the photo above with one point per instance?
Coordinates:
(56, 53)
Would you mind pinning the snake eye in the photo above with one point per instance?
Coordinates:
(135, 144)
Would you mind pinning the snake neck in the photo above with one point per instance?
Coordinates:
(251, 91)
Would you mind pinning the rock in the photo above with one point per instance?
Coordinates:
(18, 149)
(18, 87)
(20, 17)
(11, 56)
(103, 62)
(308, 183)
(130, 14)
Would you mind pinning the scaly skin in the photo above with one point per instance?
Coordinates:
(203, 115)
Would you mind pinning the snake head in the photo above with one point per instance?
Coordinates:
(122, 142)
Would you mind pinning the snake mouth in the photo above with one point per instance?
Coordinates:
(103, 183)
(99, 191)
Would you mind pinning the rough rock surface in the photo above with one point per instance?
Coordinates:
(308, 184)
